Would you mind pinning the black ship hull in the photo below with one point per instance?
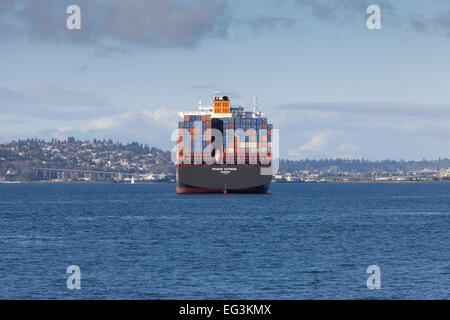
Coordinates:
(222, 179)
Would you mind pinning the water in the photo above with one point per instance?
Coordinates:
(302, 241)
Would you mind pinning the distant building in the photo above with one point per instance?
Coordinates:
(11, 172)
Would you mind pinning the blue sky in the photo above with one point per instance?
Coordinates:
(332, 87)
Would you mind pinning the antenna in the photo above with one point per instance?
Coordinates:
(255, 101)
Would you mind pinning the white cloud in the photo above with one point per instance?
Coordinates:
(65, 129)
(348, 148)
(372, 108)
(318, 143)
(153, 127)
(160, 23)
(317, 147)
(110, 122)
(161, 118)
(50, 102)
(321, 146)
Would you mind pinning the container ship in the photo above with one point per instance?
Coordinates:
(222, 148)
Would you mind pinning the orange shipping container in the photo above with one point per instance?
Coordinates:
(221, 106)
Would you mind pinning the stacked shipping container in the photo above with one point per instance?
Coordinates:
(245, 140)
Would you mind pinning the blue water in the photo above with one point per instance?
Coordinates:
(302, 241)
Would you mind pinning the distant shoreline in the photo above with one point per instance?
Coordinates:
(80, 182)
(140, 183)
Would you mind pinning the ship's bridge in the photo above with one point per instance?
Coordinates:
(222, 108)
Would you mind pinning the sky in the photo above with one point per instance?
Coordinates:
(330, 85)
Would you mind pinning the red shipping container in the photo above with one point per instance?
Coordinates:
(198, 158)
(240, 158)
(187, 158)
(229, 159)
(265, 159)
